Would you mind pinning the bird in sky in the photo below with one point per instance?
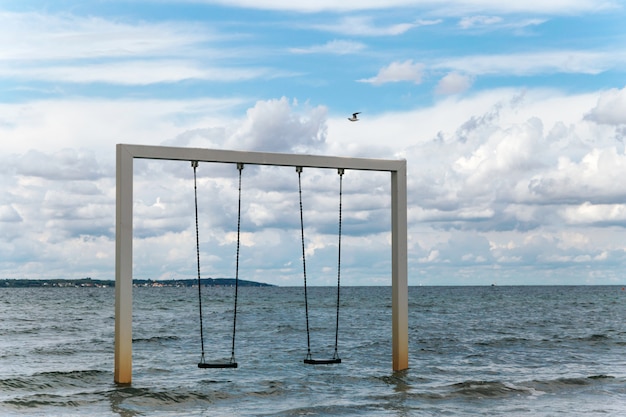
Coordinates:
(354, 117)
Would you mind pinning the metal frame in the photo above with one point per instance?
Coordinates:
(124, 232)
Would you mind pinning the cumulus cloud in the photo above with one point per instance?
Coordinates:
(500, 180)
(58, 211)
(610, 109)
(407, 71)
(273, 126)
(603, 214)
(8, 214)
(504, 179)
(64, 200)
(277, 125)
(77, 165)
(528, 180)
(453, 83)
(595, 178)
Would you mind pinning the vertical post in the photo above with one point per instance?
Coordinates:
(123, 266)
(399, 272)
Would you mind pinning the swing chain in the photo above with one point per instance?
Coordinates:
(232, 355)
(194, 165)
(340, 171)
(306, 299)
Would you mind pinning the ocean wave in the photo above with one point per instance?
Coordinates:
(143, 401)
(40, 392)
(56, 379)
(504, 341)
(595, 338)
(466, 358)
(43, 400)
(67, 390)
(490, 389)
(495, 389)
(559, 384)
(59, 350)
(155, 339)
(151, 396)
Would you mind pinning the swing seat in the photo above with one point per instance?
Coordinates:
(322, 361)
(214, 365)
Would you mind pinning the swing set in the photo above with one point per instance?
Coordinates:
(123, 266)
(232, 363)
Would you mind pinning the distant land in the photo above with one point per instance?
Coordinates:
(99, 283)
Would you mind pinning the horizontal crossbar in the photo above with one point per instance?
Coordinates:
(261, 158)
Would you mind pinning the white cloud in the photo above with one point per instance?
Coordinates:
(480, 177)
(484, 23)
(134, 72)
(499, 179)
(8, 214)
(596, 176)
(453, 83)
(77, 165)
(65, 36)
(76, 49)
(363, 26)
(472, 21)
(274, 126)
(588, 213)
(97, 124)
(453, 8)
(530, 63)
(611, 108)
(335, 47)
(407, 71)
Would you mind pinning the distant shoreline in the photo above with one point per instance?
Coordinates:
(99, 283)
(229, 282)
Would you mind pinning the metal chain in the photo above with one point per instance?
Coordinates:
(194, 165)
(340, 172)
(306, 300)
(232, 357)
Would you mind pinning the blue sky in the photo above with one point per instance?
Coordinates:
(511, 117)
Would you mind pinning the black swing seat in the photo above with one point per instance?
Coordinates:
(322, 361)
(214, 365)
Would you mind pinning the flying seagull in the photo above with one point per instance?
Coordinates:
(354, 117)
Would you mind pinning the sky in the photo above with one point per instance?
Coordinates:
(511, 117)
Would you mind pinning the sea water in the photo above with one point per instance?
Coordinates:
(497, 351)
